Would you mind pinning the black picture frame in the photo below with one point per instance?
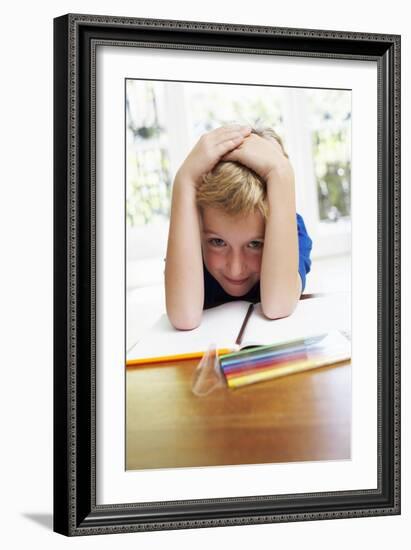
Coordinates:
(75, 508)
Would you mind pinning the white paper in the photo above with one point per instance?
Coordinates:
(114, 484)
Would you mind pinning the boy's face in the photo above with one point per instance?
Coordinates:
(233, 248)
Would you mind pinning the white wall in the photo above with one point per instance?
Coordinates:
(26, 302)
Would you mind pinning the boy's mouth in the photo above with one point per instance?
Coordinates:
(236, 281)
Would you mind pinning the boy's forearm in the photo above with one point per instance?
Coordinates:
(184, 267)
(280, 281)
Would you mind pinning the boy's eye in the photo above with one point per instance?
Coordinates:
(256, 245)
(216, 242)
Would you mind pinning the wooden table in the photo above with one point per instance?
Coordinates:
(302, 417)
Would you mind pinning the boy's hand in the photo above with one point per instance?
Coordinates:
(262, 155)
(209, 150)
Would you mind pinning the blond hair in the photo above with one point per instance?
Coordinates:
(234, 188)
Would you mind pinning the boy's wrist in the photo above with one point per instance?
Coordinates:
(184, 190)
(184, 179)
(282, 176)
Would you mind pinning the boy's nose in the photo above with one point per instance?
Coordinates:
(236, 266)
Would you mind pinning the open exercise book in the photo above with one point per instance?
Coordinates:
(221, 325)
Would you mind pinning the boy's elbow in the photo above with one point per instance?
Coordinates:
(184, 322)
(278, 311)
(186, 326)
(279, 306)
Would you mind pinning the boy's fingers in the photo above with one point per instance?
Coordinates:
(229, 136)
(223, 131)
(243, 130)
(222, 140)
(228, 147)
(234, 154)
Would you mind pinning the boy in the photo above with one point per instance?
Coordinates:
(234, 232)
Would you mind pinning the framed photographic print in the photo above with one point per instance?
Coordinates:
(227, 274)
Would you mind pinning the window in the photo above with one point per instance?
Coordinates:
(148, 165)
(330, 113)
(165, 119)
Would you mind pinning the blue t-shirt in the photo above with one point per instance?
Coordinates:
(215, 295)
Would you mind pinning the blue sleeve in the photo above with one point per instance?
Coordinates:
(304, 249)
